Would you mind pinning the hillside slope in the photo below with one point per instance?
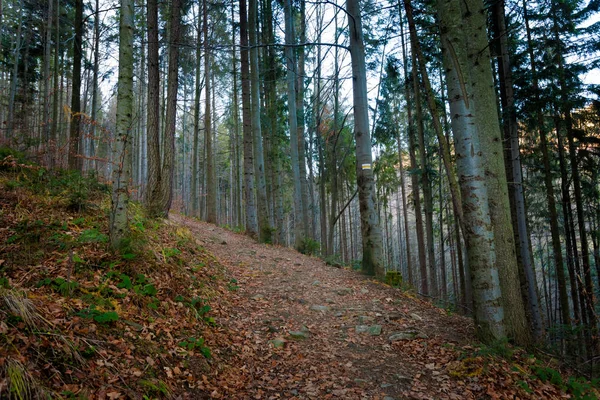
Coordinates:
(190, 310)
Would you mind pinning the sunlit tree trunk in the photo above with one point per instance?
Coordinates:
(479, 235)
(478, 67)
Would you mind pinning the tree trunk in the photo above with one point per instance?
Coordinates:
(122, 152)
(550, 197)
(301, 121)
(293, 124)
(211, 175)
(431, 273)
(75, 130)
(264, 227)
(484, 97)
(251, 217)
(153, 132)
(14, 77)
(47, 56)
(372, 262)
(511, 133)
(479, 235)
(168, 164)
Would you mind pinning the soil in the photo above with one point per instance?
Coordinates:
(276, 290)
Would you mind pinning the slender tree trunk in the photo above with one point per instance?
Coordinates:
(211, 175)
(433, 109)
(75, 129)
(417, 201)
(550, 197)
(372, 261)
(264, 227)
(56, 95)
(511, 133)
(153, 132)
(47, 56)
(293, 124)
(301, 121)
(195, 156)
(251, 217)
(431, 273)
(409, 118)
(122, 150)
(168, 162)
(14, 77)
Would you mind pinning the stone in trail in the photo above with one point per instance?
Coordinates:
(320, 308)
(343, 291)
(299, 334)
(373, 330)
(278, 343)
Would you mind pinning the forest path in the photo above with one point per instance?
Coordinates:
(300, 329)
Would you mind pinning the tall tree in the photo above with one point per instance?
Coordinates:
(155, 178)
(211, 174)
(264, 225)
(486, 117)
(75, 129)
(249, 197)
(457, 30)
(122, 150)
(372, 242)
(293, 122)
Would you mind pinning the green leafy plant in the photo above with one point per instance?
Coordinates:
(169, 252)
(232, 285)
(310, 247)
(92, 236)
(60, 285)
(393, 278)
(102, 317)
(192, 344)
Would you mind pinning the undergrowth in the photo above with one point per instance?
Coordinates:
(80, 321)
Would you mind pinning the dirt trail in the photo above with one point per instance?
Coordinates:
(295, 326)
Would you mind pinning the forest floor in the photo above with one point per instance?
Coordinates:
(189, 310)
(304, 329)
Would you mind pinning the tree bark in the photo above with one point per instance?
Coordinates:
(75, 129)
(119, 228)
(484, 97)
(211, 174)
(168, 164)
(251, 217)
(511, 133)
(264, 226)
(153, 131)
(372, 261)
(479, 234)
(293, 124)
